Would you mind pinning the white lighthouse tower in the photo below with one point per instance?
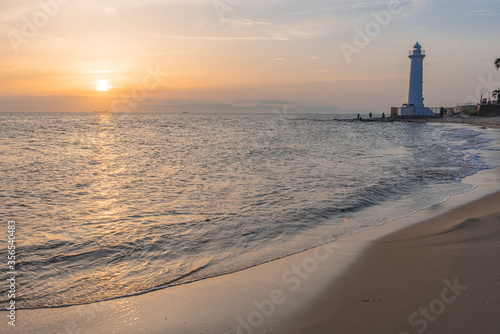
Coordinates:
(415, 105)
(415, 88)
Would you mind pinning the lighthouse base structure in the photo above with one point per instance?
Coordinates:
(417, 111)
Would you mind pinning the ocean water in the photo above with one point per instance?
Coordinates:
(108, 205)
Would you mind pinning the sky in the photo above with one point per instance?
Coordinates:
(315, 55)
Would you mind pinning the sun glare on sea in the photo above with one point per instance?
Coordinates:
(102, 85)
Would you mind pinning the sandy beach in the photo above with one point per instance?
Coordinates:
(487, 122)
(439, 276)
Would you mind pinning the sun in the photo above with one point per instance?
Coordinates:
(102, 85)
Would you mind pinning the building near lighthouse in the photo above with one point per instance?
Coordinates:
(414, 107)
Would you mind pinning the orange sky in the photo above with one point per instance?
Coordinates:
(159, 51)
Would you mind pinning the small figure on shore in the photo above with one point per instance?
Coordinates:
(359, 117)
(383, 115)
(370, 115)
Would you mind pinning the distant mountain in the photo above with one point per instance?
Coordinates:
(64, 103)
(235, 109)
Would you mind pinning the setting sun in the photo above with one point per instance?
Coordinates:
(102, 85)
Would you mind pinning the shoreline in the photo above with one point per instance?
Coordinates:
(267, 297)
(253, 300)
(492, 122)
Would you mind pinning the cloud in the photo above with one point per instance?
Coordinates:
(275, 37)
(110, 10)
(247, 22)
(350, 6)
(162, 2)
(9, 15)
(482, 12)
(278, 59)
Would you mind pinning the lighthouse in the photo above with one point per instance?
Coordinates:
(415, 105)
(415, 88)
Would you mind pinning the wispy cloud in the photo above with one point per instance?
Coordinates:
(247, 22)
(110, 10)
(9, 15)
(482, 12)
(223, 38)
(351, 6)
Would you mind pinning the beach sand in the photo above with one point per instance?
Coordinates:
(369, 282)
(438, 276)
(487, 122)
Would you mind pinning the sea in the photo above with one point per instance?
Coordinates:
(109, 205)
